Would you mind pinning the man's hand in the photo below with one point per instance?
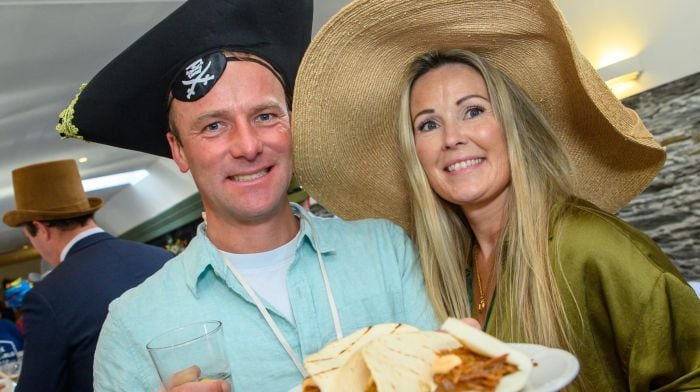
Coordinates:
(203, 386)
(186, 381)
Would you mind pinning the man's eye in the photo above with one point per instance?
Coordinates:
(213, 127)
(426, 126)
(265, 117)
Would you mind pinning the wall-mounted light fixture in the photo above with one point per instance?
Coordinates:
(621, 77)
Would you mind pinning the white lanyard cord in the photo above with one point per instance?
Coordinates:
(266, 315)
(329, 292)
(268, 319)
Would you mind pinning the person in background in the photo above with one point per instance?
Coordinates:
(496, 143)
(11, 339)
(10, 332)
(13, 328)
(297, 194)
(5, 311)
(64, 312)
(15, 291)
(210, 86)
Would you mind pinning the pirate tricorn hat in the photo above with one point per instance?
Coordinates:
(126, 103)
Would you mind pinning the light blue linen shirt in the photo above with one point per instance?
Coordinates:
(372, 269)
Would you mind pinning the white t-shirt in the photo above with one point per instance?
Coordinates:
(266, 273)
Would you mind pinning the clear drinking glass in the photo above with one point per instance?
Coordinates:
(193, 352)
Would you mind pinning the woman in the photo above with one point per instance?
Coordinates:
(508, 153)
(490, 182)
(476, 189)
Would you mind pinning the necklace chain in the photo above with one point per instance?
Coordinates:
(482, 299)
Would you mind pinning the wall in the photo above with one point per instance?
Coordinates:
(147, 199)
(17, 270)
(669, 210)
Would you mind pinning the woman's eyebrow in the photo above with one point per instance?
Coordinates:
(425, 111)
(464, 98)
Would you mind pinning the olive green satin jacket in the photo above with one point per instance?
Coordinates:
(641, 320)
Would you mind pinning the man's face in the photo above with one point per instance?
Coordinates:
(237, 144)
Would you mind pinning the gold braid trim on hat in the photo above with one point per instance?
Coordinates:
(65, 126)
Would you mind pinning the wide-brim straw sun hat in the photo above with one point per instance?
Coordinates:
(49, 191)
(350, 80)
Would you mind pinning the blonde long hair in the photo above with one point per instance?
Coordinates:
(540, 180)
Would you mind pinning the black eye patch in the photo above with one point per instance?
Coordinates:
(198, 77)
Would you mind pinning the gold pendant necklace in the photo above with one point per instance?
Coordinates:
(482, 299)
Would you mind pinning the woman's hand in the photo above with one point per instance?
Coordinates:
(472, 322)
(469, 321)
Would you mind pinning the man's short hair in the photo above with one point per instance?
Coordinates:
(61, 224)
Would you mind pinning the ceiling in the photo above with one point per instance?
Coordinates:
(49, 47)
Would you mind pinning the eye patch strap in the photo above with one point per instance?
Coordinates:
(264, 64)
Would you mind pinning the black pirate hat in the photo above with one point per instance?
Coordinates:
(126, 103)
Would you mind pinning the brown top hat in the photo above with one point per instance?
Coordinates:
(49, 191)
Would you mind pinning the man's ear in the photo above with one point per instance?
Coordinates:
(42, 230)
(178, 152)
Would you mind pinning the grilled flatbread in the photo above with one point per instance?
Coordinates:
(396, 357)
(486, 345)
(342, 359)
(403, 362)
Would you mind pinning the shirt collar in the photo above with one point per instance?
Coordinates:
(310, 228)
(77, 238)
(205, 255)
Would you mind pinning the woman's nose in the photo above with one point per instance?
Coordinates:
(453, 136)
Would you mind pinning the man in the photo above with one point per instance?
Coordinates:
(218, 75)
(64, 312)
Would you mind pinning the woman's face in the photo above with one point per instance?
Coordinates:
(459, 141)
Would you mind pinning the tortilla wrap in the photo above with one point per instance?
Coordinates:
(399, 357)
(485, 344)
(339, 366)
(405, 362)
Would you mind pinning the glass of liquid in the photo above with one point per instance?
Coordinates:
(193, 352)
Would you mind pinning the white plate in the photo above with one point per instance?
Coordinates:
(552, 370)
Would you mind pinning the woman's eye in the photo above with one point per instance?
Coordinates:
(473, 111)
(426, 126)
